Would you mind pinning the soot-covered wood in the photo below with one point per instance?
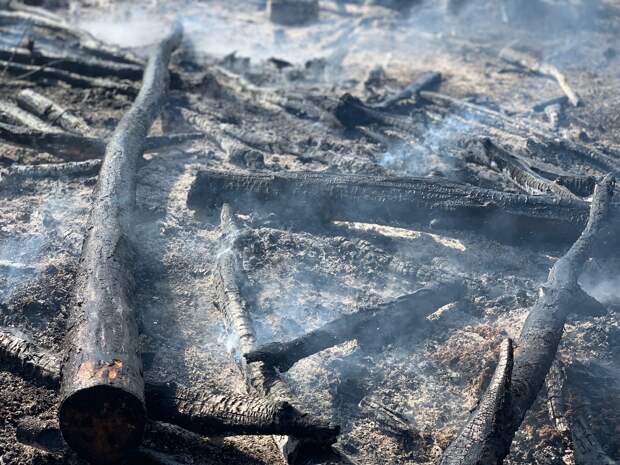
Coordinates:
(378, 324)
(422, 203)
(102, 414)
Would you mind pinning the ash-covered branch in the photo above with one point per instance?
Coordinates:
(423, 203)
(102, 414)
(379, 324)
(424, 81)
(538, 342)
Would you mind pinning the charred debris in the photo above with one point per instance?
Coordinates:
(513, 183)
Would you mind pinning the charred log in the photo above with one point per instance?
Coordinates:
(72, 146)
(484, 433)
(229, 414)
(260, 378)
(533, 65)
(379, 324)
(12, 114)
(102, 414)
(484, 117)
(484, 152)
(52, 112)
(578, 438)
(538, 342)
(79, 65)
(423, 203)
(15, 173)
(45, 72)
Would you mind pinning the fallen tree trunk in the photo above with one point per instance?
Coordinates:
(530, 63)
(52, 112)
(76, 147)
(260, 379)
(484, 432)
(195, 410)
(378, 324)
(537, 344)
(102, 414)
(422, 203)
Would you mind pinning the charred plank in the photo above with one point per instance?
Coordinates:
(423, 203)
(379, 324)
(102, 414)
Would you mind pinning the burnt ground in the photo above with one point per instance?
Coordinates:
(302, 274)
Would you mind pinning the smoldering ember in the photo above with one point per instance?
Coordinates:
(355, 232)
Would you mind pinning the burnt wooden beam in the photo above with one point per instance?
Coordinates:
(532, 64)
(379, 324)
(200, 412)
(53, 113)
(428, 204)
(538, 341)
(483, 151)
(102, 413)
(483, 432)
(75, 147)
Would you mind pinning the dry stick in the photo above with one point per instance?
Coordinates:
(530, 63)
(52, 112)
(481, 116)
(422, 82)
(197, 411)
(46, 71)
(72, 147)
(102, 414)
(484, 152)
(12, 114)
(378, 324)
(259, 378)
(537, 344)
(73, 63)
(581, 444)
(421, 203)
(483, 432)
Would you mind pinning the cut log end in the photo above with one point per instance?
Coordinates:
(102, 423)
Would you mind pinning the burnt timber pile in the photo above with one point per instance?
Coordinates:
(357, 232)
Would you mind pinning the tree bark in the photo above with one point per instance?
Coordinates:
(422, 203)
(378, 324)
(102, 414)
(538, 342)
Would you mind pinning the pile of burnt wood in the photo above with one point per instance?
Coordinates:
(106, 406)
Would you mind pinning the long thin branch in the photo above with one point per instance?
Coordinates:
(538, 342)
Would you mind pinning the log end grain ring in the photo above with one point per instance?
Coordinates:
(109, 419)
